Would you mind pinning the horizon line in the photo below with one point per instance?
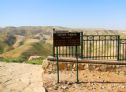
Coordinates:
(91, 28)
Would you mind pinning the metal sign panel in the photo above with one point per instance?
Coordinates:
(66, 38)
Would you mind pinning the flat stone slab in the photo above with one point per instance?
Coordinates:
(17, 77)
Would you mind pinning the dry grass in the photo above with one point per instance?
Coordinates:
(21, 49)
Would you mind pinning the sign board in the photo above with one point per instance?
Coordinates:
(66, 38)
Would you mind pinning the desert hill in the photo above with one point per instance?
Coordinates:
(25, 41)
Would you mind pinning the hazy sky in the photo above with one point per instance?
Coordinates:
(70, 13)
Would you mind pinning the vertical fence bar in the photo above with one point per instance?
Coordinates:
(87, 48)
(110, 48)
(66, 51)
(57, 62)
(63, 51)
(53, 51)
(81, 45)
(59, 51)
(77, 64)
(93, 47)
(84, 49)
(113, 48)
(105, 48)
(118, 48)
(99, 49)
(69, 51)
(96, 49)
(125, 52)
(102, 48)
(72, 52)
(90, 49)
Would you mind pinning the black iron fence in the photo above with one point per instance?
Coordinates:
(100, 46)
(96, 47)
(122, 49)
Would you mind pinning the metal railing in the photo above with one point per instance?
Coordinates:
(96, 47)
(100, 47)
(122, 49)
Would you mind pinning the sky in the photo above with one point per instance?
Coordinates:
(110, 14)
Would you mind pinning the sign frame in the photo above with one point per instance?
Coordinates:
(65, 38)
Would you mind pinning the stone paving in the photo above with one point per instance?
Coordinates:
(15, 77)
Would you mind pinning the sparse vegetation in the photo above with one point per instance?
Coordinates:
(18, 59)
(10, 40)
(35, 61)
(25, 44)
(2, 47)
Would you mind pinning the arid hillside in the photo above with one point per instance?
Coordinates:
(18, 44)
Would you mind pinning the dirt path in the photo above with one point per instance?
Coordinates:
(90, 81)
(16, 77)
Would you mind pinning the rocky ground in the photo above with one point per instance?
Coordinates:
(90, 81)
(15, 77)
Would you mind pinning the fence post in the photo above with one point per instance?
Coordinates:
(81, 45)
(53, 51)
(77, 64)
(57, 63)
(118, 47)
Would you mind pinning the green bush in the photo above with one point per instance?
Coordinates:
(22, 59)
(18, 59)
(36, 62)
